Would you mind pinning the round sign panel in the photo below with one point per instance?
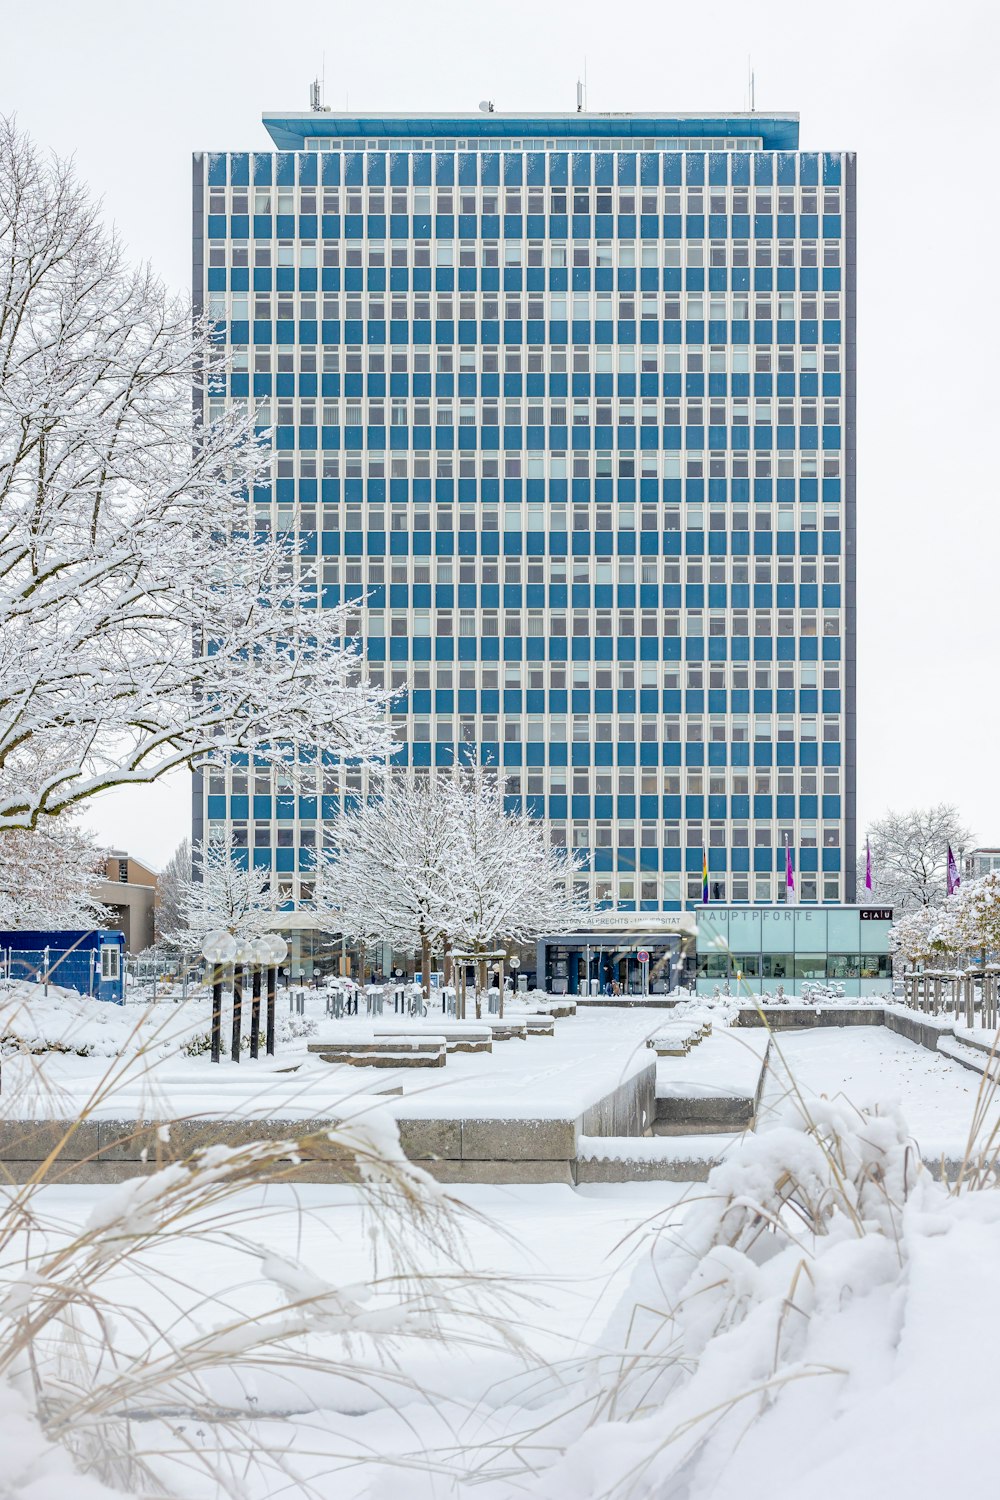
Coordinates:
(642, 956)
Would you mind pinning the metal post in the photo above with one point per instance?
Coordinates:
(255, 1013)
(217, 1013)
(45, 960)
(238, 980)
(272, 992)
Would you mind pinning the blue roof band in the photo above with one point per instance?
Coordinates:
(289, 131)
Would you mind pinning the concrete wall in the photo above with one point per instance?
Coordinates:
(488, 1149)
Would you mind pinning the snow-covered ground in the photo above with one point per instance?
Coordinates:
(868, 1064)
(541, 1077)
(783, 1329)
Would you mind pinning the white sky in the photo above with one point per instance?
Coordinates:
(134, 88)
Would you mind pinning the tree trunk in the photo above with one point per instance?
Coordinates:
(481, 986)
(447, 962)
(425, 967)
(364, 950)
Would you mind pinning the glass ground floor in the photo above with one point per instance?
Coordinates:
(736, 949)
(761, 950)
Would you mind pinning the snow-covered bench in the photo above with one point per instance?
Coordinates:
(677, 1038)
(509, 1029)
(396, 1051)
(540, 1025)
(460, 1036)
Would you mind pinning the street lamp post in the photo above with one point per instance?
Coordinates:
(515, 964)
(218, 948)
(277, 950)
(260, 953)
(241, 959)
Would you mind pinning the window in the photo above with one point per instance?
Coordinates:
(110, 961)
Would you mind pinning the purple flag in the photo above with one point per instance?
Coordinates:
(868, 865)
(789, 877)
(954, 879)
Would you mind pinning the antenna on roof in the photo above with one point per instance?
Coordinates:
(316, 97)
(486, 105)
(579, 96)
(753, 104)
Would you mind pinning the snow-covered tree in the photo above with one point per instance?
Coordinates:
(170, 888)
(511, 886)
(227, 895)
(48, 876)
(392, 875)
(977, 913)
(910, 857)
(910, 935)
(147, 620)
(441, 860)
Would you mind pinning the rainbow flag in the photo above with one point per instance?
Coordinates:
(704, 876)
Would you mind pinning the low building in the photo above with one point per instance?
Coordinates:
(91, 962)
(603, 954)
(128, 890)
(742, 949)
(979, 862)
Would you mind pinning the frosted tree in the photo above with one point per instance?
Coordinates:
(227, 895)
(48, 876)
(393, 873)
(977, 913)
(170, 888)
(910, 856)
(511, 886)
(910, 936)
(146, 621)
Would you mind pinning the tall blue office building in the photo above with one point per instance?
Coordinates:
(569, 399)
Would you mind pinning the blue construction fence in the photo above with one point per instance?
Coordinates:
(91, 962)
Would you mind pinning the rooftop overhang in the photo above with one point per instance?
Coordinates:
(291, 129)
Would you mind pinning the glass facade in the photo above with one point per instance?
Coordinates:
(570, 427)
(758, 949)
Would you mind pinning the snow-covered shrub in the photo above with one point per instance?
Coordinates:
(815, 990)
(294, 1028)
(758, 1337)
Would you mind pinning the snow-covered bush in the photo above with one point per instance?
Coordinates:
(296, 1028)
(802, 1293)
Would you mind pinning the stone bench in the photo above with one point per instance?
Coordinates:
(457, 1037)
(540, 1025)
(558, 1009)
(509, 1030)
(676, 1040)
(385, 1052)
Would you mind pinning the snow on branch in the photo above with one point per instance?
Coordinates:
(144, 622)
